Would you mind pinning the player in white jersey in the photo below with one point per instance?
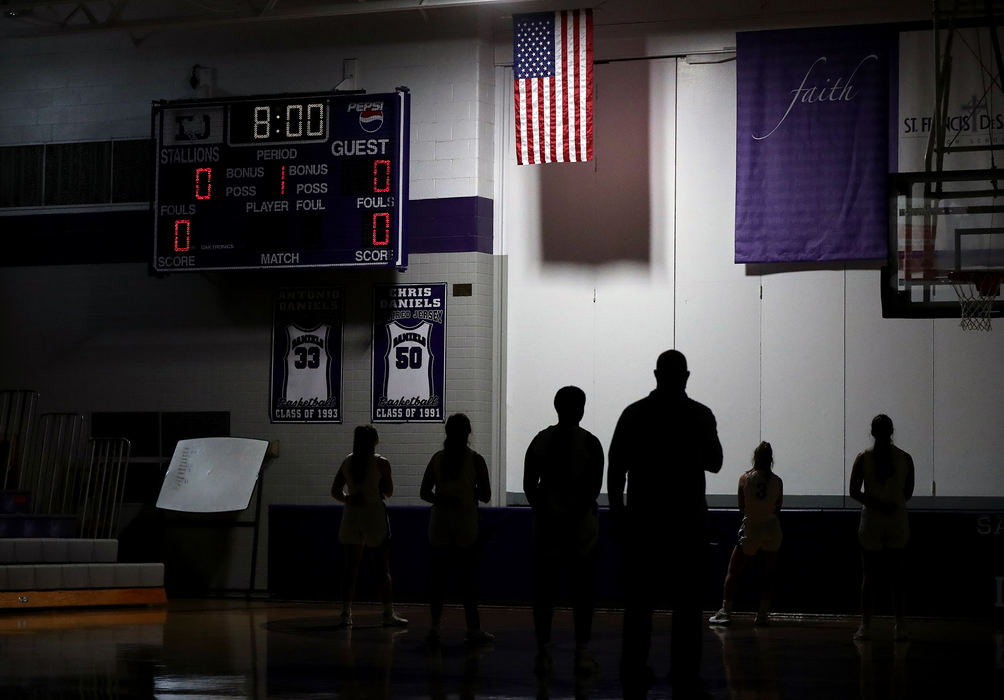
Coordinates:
(307, 363)
(362, 483)
(882, 480)
(760, 495)
(408, 363)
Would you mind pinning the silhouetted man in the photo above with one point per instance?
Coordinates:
(662, 446)
(562, 476)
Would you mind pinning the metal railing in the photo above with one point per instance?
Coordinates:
(18, 416)
(53, 474)
(103, 487)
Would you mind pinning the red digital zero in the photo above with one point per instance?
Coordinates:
(203, 183)
(377, 176)
(381, 229)
(182, 235)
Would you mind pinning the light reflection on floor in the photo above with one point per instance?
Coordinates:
(225, 648)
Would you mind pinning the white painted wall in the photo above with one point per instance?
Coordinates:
(113, 338)
(805, 366)
(573, 313)
(800, 356)
(97, 87)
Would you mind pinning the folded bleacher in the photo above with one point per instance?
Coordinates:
(59, 507)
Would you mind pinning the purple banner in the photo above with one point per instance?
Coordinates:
(812, 149)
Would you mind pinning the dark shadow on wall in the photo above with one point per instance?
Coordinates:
(599, 211)
(763, 269)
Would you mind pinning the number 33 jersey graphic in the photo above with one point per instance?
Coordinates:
(307, 364)
(408, 363)
(306, 381)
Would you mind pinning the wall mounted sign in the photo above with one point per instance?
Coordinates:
(276, 181)
(409, 353)
(306, 384)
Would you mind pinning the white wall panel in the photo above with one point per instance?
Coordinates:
(968, 410)
(718, 329)
(803, 379)
(590, 295)
(717, 303)
(889, 370)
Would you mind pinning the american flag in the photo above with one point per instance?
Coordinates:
(553, 85)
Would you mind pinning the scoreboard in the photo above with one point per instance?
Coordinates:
(281, 181)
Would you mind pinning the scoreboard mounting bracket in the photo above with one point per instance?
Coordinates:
(292, 180)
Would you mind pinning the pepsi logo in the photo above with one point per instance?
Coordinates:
(371, 120)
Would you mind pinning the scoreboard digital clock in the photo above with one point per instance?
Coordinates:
(279, 181)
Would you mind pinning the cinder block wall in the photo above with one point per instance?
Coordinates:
(96, 337)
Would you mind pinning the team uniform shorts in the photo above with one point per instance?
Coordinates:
(364, 524)
(879, 530)
(764, 535)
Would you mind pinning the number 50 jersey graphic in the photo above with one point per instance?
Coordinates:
(409, 353)
(408, 362)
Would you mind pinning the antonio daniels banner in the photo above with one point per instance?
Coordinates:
(306, 382)
(813, 143)
(409, 353)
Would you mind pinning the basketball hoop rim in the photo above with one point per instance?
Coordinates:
(986, 282)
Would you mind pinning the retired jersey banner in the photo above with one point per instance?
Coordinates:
(409, 353)
(813, 143)
(306, 382)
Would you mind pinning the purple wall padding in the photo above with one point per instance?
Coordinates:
(450, 225)
(952, 564)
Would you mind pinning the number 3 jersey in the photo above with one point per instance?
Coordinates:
(307, 364)
(762, 491)
(408, 363)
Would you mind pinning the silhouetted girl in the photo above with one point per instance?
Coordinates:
(455, 480)
(362, 483)
(882, 481)
(760, 495)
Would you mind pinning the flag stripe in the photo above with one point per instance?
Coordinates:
(588, 130)
(520, 92)
(577, 73)
(559, 60)
(569, 67)
(539, 99)
(552, 125)
(532, 123)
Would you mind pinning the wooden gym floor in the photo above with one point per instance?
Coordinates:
(227, 648)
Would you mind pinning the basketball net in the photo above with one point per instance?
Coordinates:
(977, 293)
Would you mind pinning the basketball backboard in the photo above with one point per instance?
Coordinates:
(941, 223)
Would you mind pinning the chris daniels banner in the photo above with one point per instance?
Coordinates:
(813, 143)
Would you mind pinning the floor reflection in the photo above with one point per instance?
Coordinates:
(749, 662)
(104, 654)
(316, 655)
(265, 649)
(454, 672)
(883, 669)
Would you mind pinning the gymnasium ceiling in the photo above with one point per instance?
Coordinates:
(137, 17)
(141, 18)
